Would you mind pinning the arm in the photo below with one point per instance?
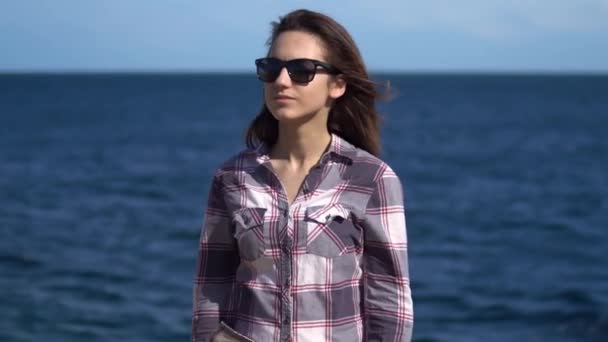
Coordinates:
(389, 314)
(217, 259)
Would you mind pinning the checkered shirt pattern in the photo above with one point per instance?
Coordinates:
(331, 266)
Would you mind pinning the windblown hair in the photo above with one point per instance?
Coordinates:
(353, 116)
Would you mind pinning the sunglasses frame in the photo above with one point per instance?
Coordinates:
(285, 64)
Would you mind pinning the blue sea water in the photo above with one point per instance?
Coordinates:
(103, 181)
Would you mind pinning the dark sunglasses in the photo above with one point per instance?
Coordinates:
(301, 70)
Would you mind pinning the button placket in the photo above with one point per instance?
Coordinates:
(286, 251)
(286, 264)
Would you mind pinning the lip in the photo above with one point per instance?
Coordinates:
(283, 98)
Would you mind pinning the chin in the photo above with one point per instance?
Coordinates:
(287, 114)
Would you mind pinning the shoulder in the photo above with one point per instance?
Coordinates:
(380, 180)
(241, 161)
(376, 166)
(367, 169)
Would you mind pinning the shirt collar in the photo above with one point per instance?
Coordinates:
(338, 147)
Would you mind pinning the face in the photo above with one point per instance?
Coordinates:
(288, 100)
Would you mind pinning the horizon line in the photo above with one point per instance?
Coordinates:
(179, 71)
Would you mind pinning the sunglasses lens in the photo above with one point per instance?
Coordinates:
(301, 71)
(268, 69)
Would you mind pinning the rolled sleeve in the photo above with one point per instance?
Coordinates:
(388, 306)
(216, 262)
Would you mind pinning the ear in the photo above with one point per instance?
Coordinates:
(337, 87)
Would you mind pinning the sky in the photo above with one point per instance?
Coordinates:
(226, 36)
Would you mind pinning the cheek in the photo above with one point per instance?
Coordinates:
(267, 95)
(316, 95)
(266, 90)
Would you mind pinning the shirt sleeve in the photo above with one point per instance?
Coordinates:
(216, 263)
(388, 307)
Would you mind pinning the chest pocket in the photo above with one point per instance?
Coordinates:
(250, 232)
(331, 231)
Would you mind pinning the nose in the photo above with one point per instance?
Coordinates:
(283, 79)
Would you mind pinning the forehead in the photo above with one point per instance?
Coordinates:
(297, 44)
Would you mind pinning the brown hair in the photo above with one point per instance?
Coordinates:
(353, 116)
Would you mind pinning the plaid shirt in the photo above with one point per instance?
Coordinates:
(332, 266)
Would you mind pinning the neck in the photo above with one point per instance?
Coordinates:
(300, 146)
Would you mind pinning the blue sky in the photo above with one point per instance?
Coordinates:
(200, 35)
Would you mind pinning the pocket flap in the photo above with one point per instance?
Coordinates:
(324, 214)
(226, 334)
(250, 217)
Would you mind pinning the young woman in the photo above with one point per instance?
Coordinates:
(304, 236)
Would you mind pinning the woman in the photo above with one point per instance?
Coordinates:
(304, 236)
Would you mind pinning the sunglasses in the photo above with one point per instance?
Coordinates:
(301, 70)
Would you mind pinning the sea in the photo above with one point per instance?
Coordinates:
(104, 178)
